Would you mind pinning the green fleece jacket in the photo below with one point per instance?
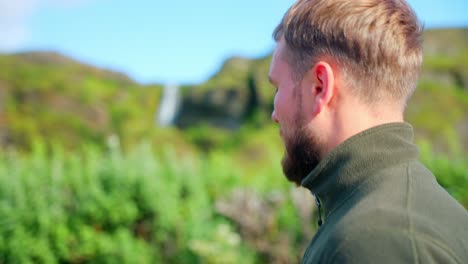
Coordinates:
(381, 205)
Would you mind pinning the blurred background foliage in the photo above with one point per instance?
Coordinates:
(87, 175)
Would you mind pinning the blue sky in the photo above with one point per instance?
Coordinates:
(157, 41)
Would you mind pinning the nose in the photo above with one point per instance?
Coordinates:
(273, 117)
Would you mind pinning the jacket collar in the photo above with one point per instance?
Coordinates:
(357, 159)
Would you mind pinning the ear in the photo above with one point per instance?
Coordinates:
(324, 86)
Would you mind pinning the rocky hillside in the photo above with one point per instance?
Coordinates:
(52, 97)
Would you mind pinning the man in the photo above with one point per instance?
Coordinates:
(344, 71)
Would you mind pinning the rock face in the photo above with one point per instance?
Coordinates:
(226, 107)
(225, 101)
(236, 94)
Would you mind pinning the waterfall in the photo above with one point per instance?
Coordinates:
(168, 106)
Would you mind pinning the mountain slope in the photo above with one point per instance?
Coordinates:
(52, 97)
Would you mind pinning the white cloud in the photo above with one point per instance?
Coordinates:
(14, 15)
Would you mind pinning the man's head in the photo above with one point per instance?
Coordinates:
(341, 67)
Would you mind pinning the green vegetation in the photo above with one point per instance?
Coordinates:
(156, 206)
(86, 177)
(49, 97)
(107, 206)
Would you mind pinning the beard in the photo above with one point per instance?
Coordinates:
(301, 156)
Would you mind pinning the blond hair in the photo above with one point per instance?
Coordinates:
(377, 44)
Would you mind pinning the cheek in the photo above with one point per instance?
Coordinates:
(308, 105)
